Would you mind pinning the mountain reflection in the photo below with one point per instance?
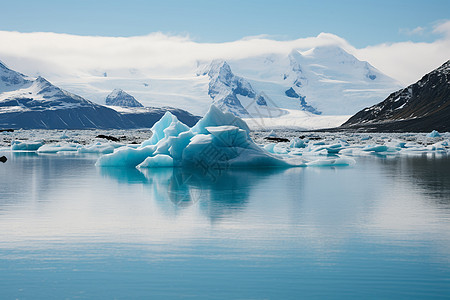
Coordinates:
(429, 173)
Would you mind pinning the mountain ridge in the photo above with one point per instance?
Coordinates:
(38, 104)
(328, 80)
(421, 106)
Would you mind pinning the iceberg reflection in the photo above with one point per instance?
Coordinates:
(183, 187)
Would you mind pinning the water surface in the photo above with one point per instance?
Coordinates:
(379, 230)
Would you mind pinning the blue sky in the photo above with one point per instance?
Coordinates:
(360, 22)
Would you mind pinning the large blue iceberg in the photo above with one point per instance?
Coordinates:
(219, 140)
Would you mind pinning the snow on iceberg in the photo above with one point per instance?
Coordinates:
(218, 140)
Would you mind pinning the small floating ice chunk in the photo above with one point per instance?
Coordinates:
(272, 134)
(25, 146)
(99, 147)
(297, 143)
(64, 135)
(334, 149)
(375, 148)
(433, 134)
(60, 147)
(438, 147)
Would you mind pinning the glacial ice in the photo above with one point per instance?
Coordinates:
(59, 147)
(221, 140)
(215, 117)
(376, 148)
(433, 134)
(157, 161)
(25, 146)
(103, 148)
(218, 140)
(297, 143)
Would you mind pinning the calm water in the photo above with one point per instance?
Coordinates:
(379, 229)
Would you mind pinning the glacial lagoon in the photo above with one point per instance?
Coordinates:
(378, 229)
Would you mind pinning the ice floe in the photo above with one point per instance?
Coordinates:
(221, 140)
(25, 146)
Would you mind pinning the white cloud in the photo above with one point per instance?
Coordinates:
(52, 54)
(155, 51)
(442, 28)
(416, 31)
(409, 61)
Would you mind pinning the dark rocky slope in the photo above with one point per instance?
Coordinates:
(421, 107)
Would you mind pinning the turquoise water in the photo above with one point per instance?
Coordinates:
(377, 230)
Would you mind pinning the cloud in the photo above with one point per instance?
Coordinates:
(416, 31)
(409, 61)
(157, 54)
(442, 28)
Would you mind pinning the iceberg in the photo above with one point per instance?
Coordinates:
(219, 140)
(25, 146)
(433, 134)
(376, 148)
(99, 147)
(297, 143)
(60, 147)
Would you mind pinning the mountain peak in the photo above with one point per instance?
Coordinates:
(119, 97)
(42, 80)
(3, 66)
(11, 80)
(215, 67)
(331, 52)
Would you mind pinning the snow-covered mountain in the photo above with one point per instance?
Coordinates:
(324, 80)
(37, 103)
(119, 97)
(291, 87)
(40, 104)
(227, 90)
(422, 106)
(145, 117)
(11, 80)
